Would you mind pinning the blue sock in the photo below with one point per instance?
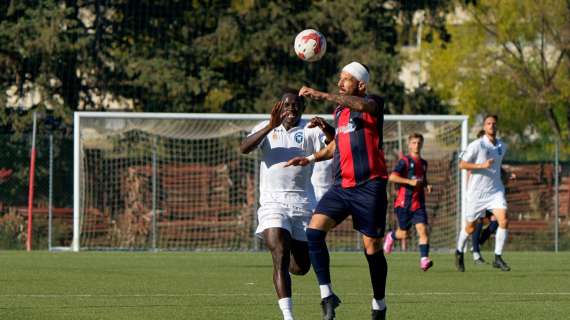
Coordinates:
(475, 238)
(424, 250)
(319, 255)
(486, 234)
(378, 273)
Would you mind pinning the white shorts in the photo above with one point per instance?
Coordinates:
(476, 208)
(291, 219)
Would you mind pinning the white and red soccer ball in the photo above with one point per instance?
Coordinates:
(310, 45)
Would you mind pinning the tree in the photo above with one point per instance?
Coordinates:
(510, 58)
(188, 56)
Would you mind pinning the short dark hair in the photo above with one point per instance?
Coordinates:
(480, 133)
(293, 92)
(494, 116)
(416, 135)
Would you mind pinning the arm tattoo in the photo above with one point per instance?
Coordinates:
(352, 102)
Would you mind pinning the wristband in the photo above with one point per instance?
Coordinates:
(311, 158)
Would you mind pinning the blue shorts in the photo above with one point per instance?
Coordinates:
(366, 203)
(407, 217)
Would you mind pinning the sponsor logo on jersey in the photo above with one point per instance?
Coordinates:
(349, 127)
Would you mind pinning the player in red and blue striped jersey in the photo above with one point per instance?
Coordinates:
(360, 183)
(411, 175)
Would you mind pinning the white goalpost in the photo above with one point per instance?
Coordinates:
(164, 181)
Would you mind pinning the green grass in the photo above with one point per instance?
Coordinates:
(120, 285)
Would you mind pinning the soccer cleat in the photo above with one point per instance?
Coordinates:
(479, 261)
(459, 263)
(379, 314)
(388, 243)
(328, 305)
(425, 263)
(501, 264)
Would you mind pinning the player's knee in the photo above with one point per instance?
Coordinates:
(314, 235)
(504, 223)
(279, 254)
(300, 269)
(373, 246)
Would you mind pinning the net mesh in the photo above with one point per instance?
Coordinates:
(182, 184)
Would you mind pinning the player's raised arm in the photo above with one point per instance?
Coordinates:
(325, 127)
(352, 85)
(321, 155)
(356, 103)
(252, 141)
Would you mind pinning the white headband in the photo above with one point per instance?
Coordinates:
(358, 71)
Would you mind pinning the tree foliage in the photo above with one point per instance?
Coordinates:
(510, 58)
(188, 56)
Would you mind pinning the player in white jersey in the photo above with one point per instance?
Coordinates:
(484, 157)
(287, 197)
(322, 178)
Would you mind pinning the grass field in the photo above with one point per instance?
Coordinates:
(104, 285)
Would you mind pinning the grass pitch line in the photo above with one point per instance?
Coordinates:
(269, 294)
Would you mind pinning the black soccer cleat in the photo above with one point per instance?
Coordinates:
(459, 262)
(328, 305)
(501, 264)
(379, 314)
(479, 261)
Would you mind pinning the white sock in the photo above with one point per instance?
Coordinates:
(461, 240)
(326, 290)
(500, 240)
(286, 306)
(476, 255)
(378, 304)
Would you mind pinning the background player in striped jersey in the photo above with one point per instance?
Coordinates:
(360, 183)
(411, 175)
(287, 198)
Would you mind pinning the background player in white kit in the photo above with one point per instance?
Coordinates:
(322, 178)
(287, 197)
(484, 157)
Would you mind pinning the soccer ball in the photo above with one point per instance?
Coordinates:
(310, 45)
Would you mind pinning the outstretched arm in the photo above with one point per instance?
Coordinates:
(321, 155)
(252, 141)
(360, 104)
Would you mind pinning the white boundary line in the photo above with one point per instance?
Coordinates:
(58, 296)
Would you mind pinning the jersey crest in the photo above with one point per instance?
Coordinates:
(298, 137)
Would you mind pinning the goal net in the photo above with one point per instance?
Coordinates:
(147, 181)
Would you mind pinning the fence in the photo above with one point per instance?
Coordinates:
(531, 198)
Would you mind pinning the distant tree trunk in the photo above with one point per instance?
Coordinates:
(567, 105)
(551, 117)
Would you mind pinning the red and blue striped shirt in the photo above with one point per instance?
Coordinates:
(359, 157)
(412, 198)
